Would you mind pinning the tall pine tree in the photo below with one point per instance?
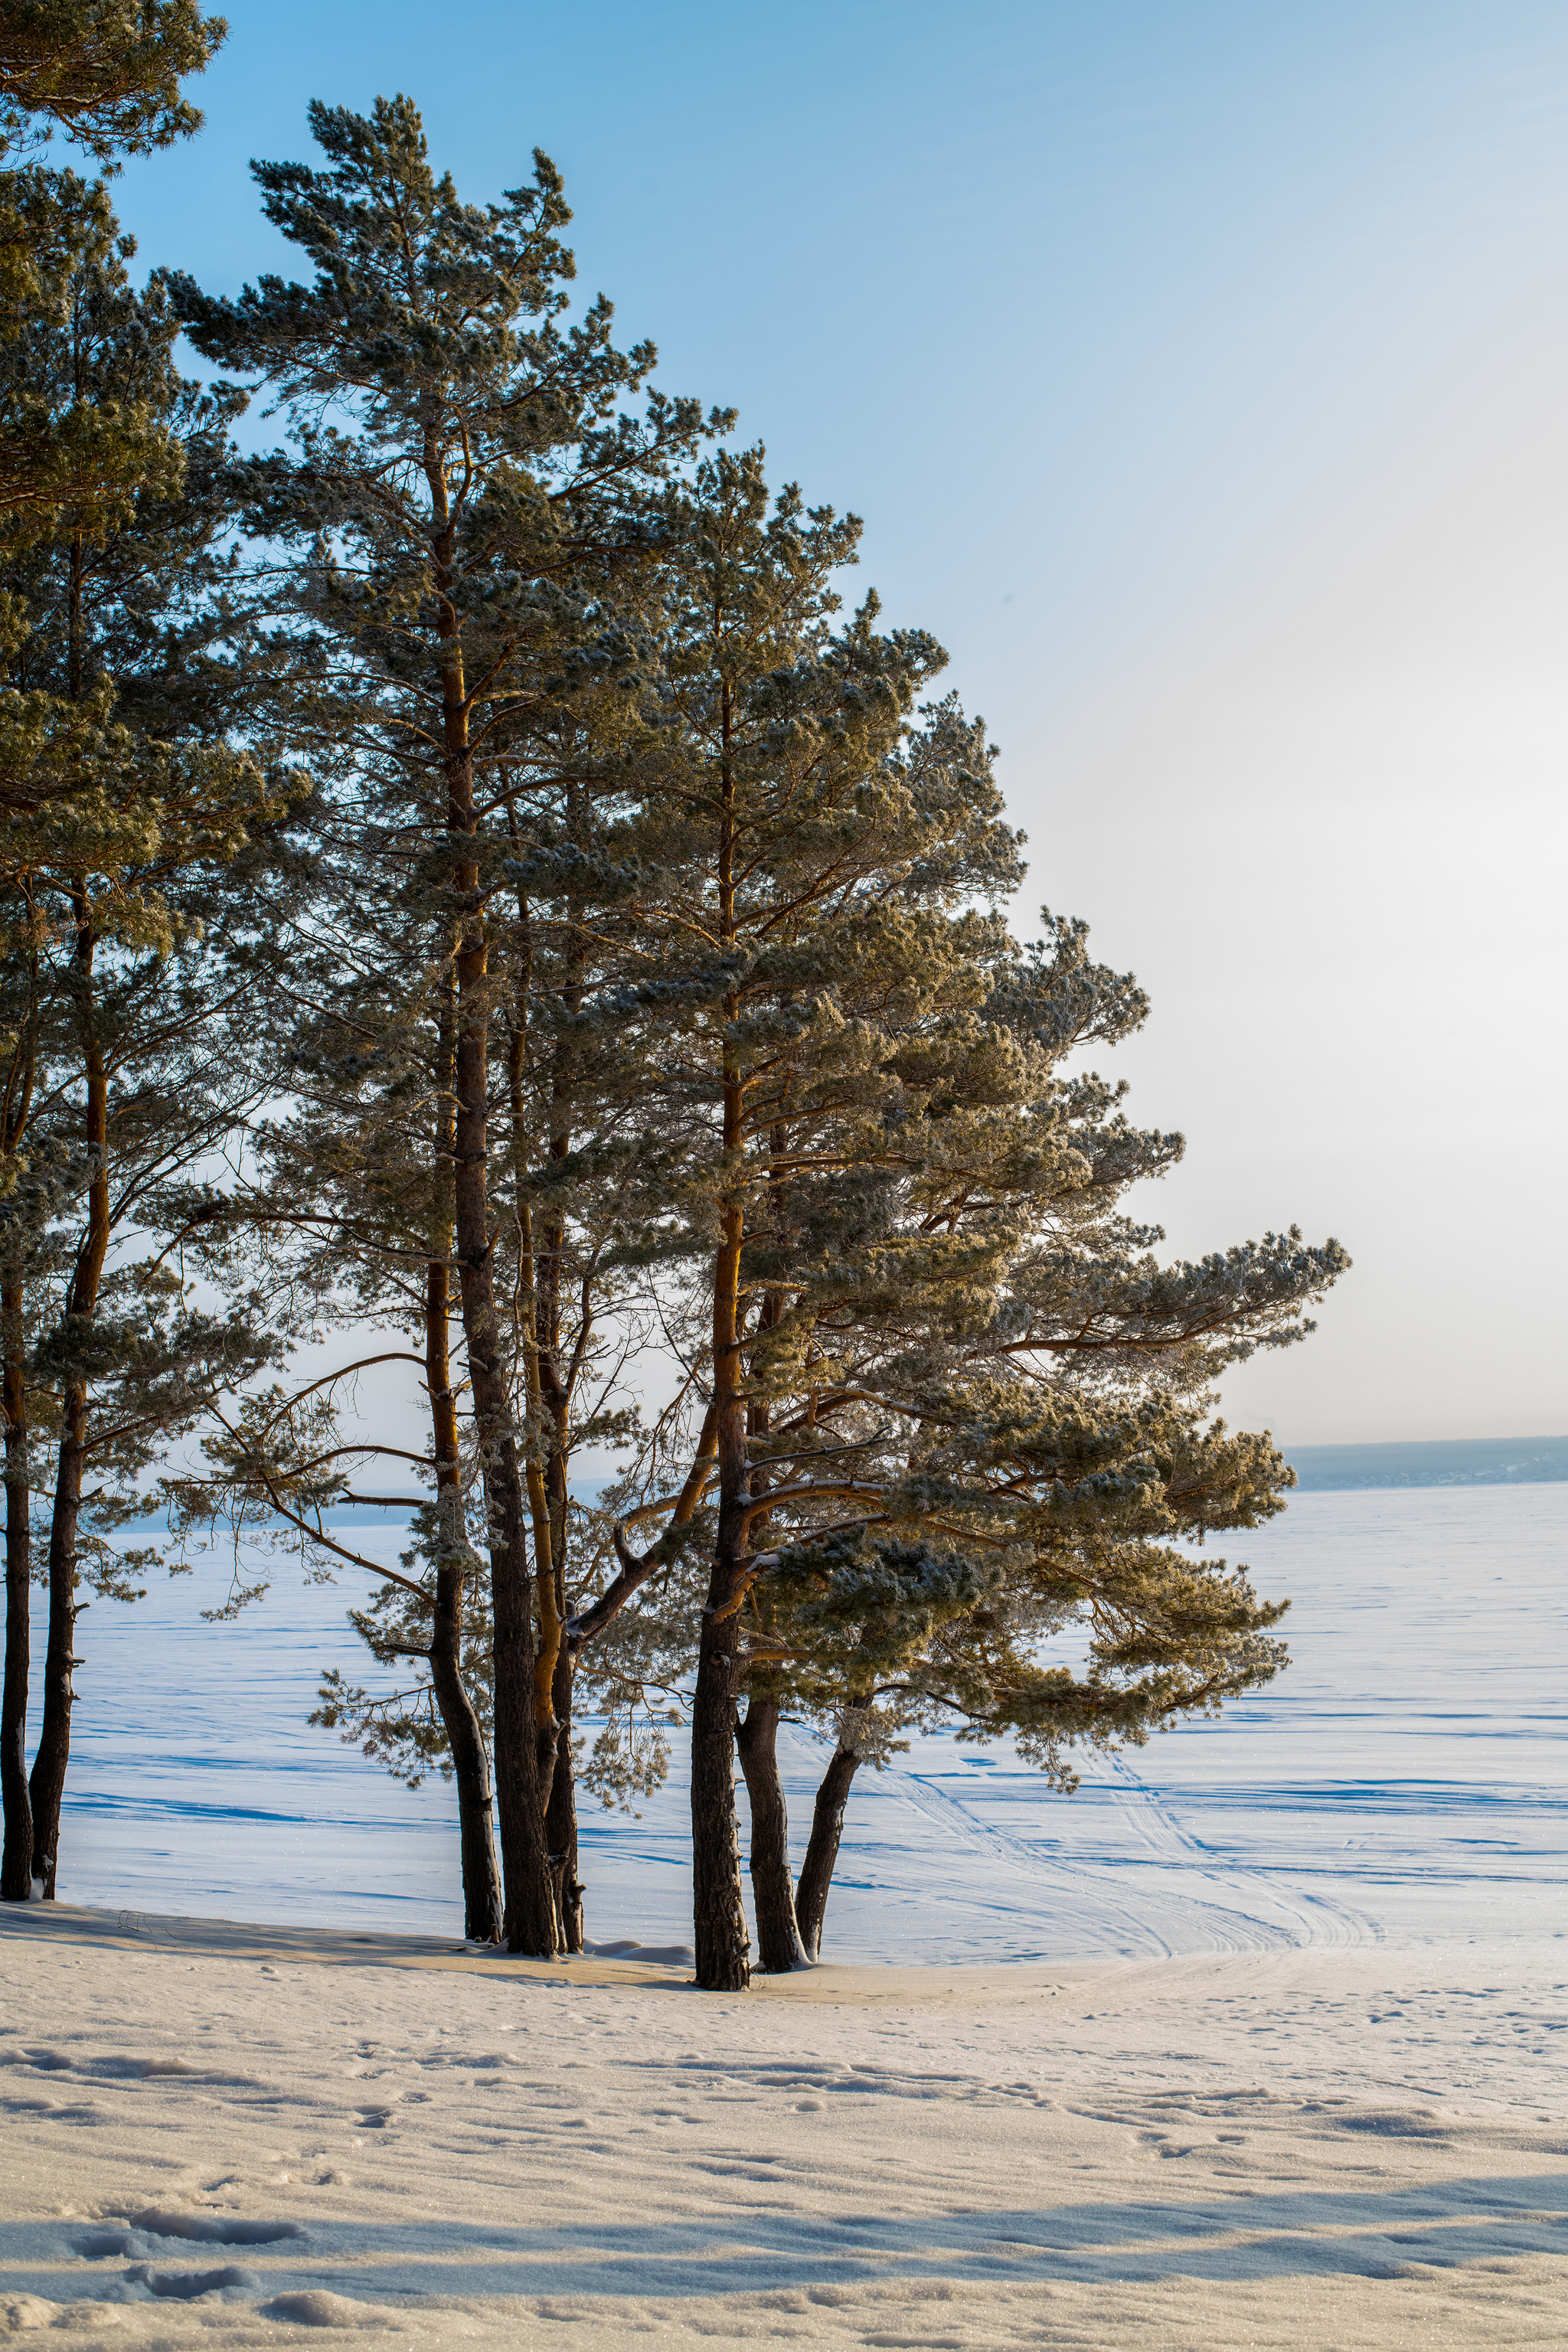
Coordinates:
(461, 459)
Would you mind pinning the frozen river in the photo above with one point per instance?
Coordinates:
(1406, 1779)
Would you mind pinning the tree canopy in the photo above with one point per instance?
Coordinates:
(475, 896)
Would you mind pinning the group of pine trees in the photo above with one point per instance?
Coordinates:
(472, 896)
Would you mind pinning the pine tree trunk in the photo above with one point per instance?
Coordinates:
(529, 1915)
(560, 1820)
(530, 1908)
(719, 1912)
(46, 1788)
(471, 1764)
(822, 1848)
(459, 1717)
(779, 1945)
(17, 1866)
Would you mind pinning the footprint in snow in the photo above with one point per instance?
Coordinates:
(137, 2233)
(185, 2285)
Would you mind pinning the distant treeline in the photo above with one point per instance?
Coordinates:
(474, 899)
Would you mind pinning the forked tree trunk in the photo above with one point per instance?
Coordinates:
(16, 1864)
(530, 1908)
(529, 1915)
(822, 1849)
(779, 1945)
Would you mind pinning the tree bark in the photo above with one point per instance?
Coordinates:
(719, 1912)
(17, 1865)
(530, 1910)
(560, 1820)
(530, 1916)
(465, 1733)
(46, 1787)
(779, 1945)
(822, 1849)
(16, 1860)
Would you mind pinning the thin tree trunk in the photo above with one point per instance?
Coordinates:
(546, 1568)
(482, 1908)
(822, 1848)
(16, 1861)
(561, 1821)
(560, 1814)
(549, 1527)
(17, 1866)
(530, 1906)
(779, 1945)
(460, 1716)
(46, 1785)
(529, 1913)
(719, 1912)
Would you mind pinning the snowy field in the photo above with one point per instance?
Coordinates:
(1258, 2042)
(1406, 1780)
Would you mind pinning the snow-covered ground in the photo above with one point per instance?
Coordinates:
(1255, 2042)
(215, 2137)
(1405, 1778)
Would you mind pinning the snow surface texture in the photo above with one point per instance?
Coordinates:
(222, 2135)
(1406, 1777)
(1290, 2071)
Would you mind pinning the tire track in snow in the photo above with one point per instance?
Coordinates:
(1120, 1921)
(1116, 1916)
(1320, 1920)
(1230, 1925)
(1228, 1915)
(1250, 1907)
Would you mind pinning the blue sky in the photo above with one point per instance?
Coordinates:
(1201, 371)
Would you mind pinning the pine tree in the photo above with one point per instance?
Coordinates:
(340, 1217)
(128, 810)
(1018, 1406)
(107, 73)
(787, 825)
(341, 1214)
(915, 1216)
(461, 457)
